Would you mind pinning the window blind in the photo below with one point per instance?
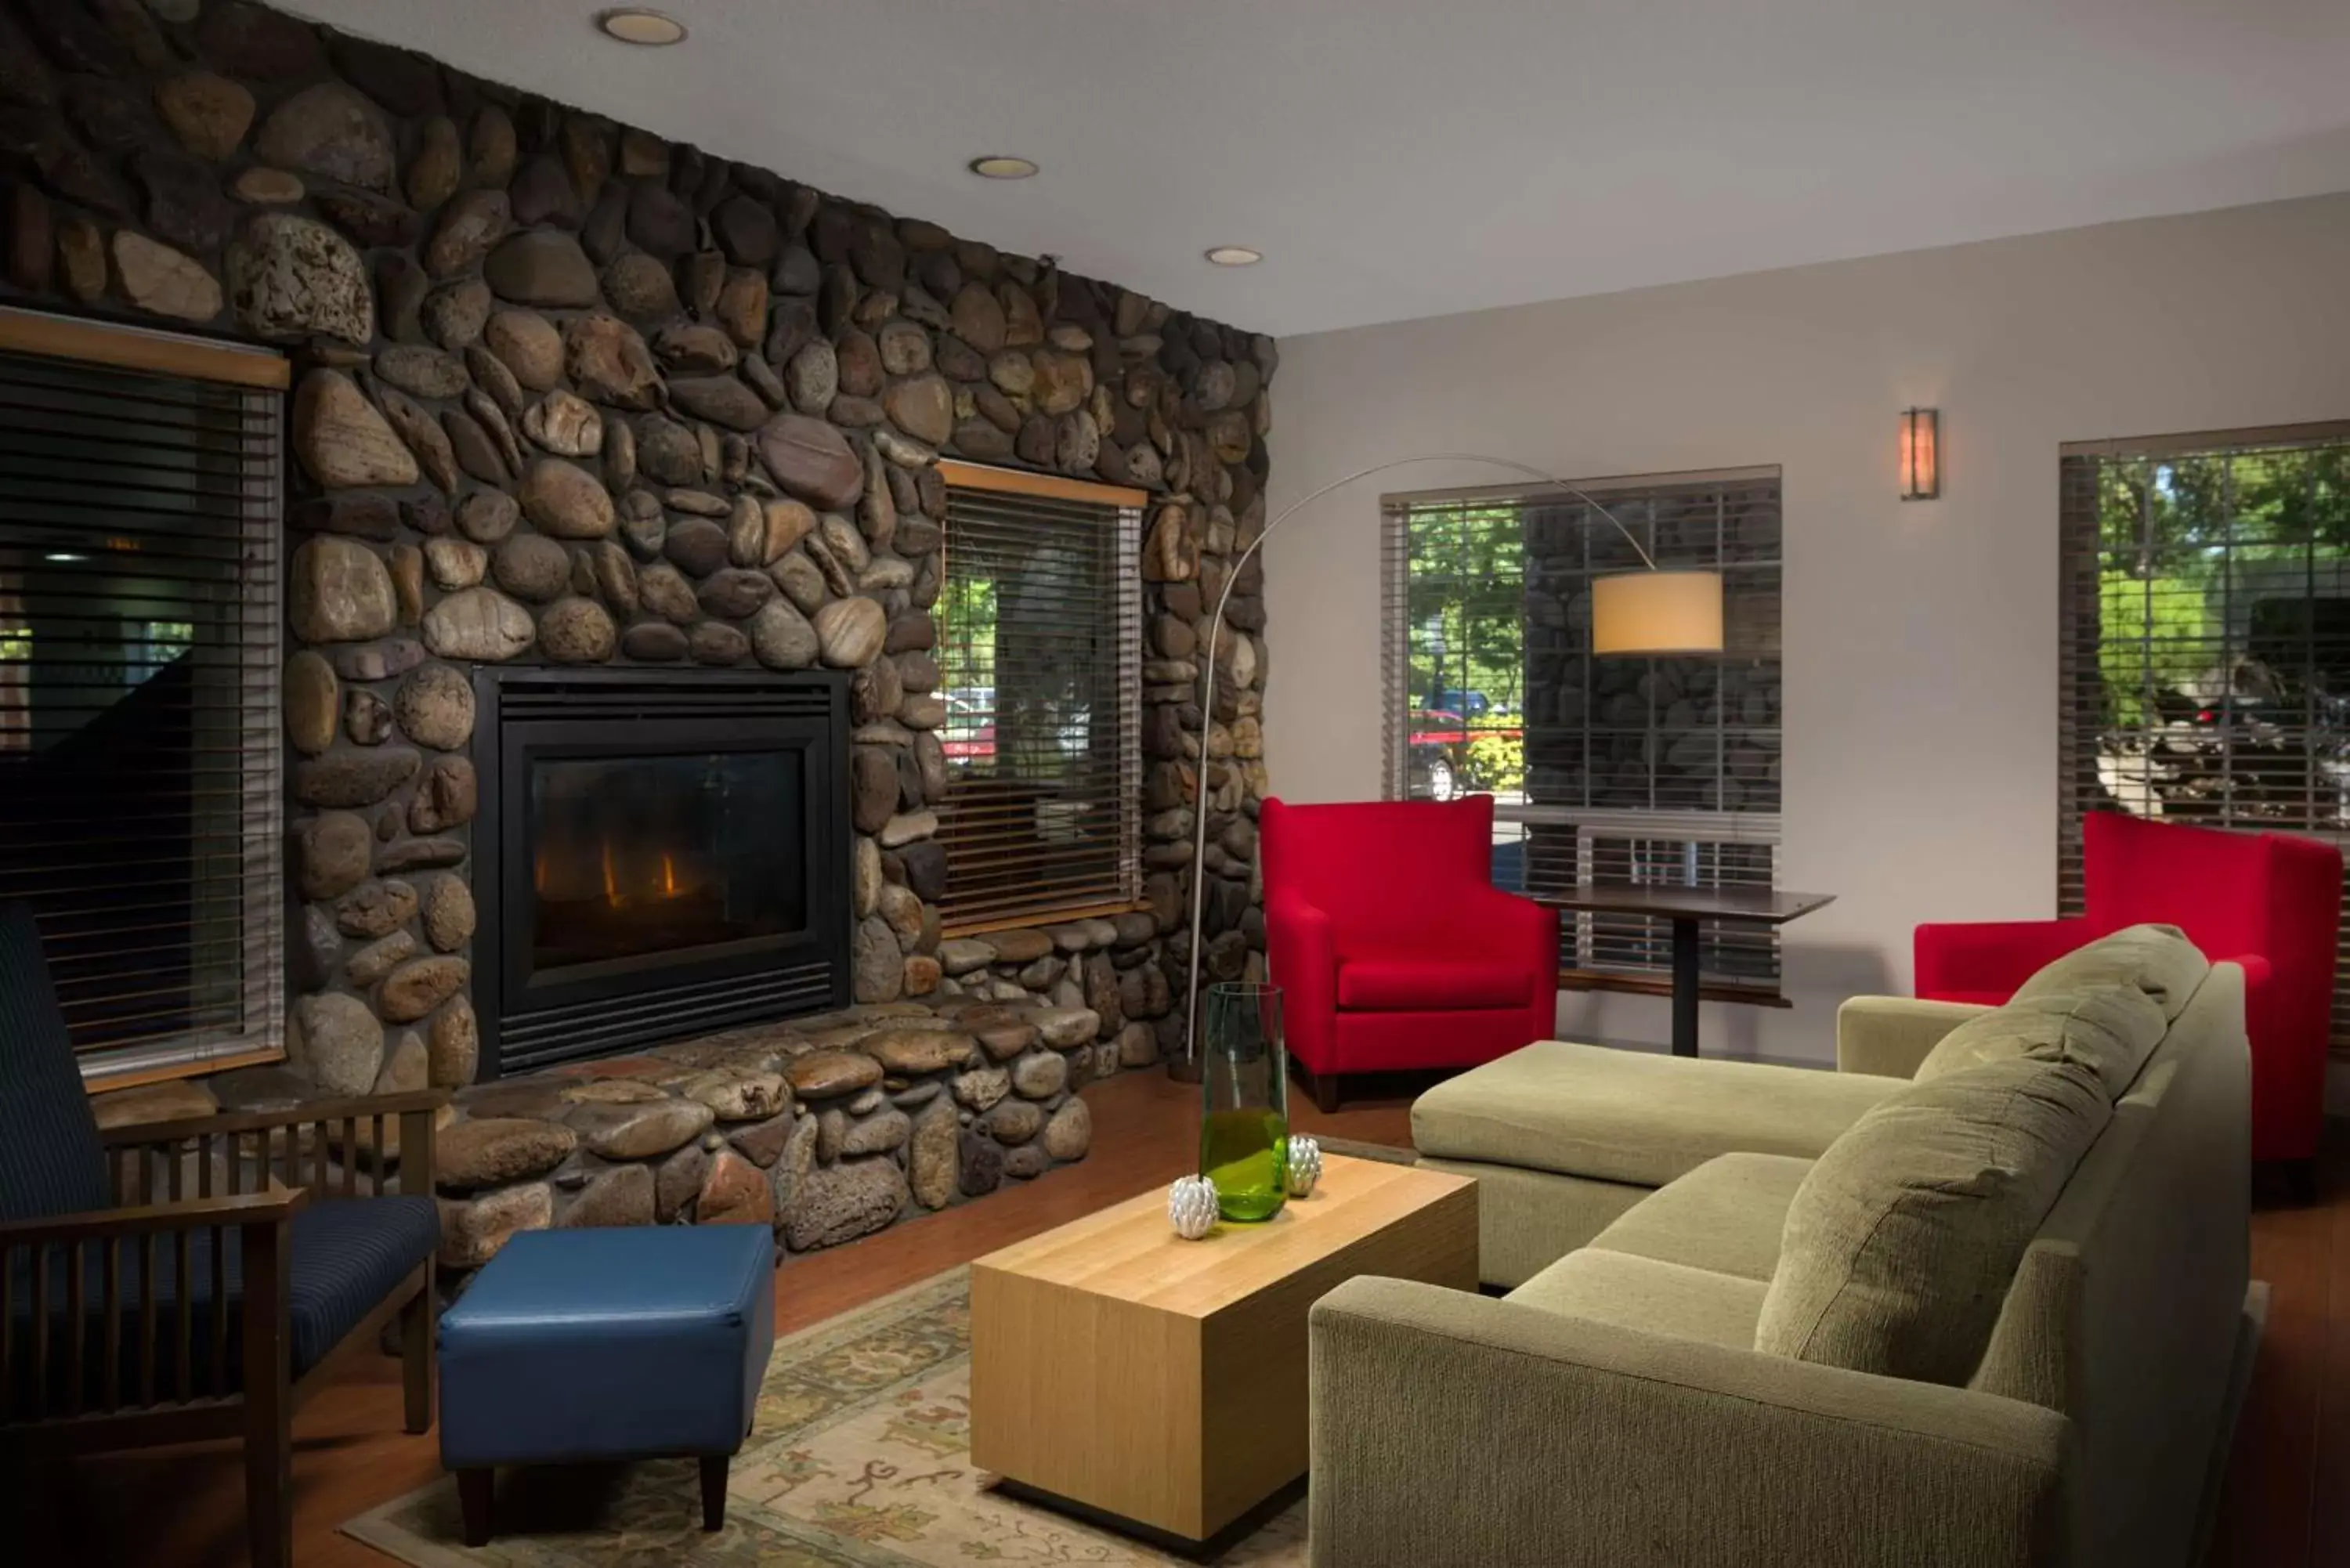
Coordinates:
(2205, 639)
(1040, 658)
(140, 815)
(1625, 770)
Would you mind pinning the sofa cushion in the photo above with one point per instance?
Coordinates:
(1431, 985)
(1900, 1244)
(1726, 1216)
(1634, 1115)
(1646, 1294)
(2156, 960)
(2110, 1032)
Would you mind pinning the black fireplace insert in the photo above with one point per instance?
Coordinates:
(659, 854)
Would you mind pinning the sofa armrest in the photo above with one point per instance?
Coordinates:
(1991, 957)
(1449, 1428)
(1521, 930)
(1888, 1035)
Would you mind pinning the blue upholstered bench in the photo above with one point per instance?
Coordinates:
(632, 1343)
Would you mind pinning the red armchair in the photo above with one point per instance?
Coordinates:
(1390, 944)
(2267, 901)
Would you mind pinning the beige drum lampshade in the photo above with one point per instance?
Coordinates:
(1656, 612)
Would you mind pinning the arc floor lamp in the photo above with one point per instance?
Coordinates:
(1651, 611)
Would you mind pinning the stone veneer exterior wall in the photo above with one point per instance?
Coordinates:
(566, 392)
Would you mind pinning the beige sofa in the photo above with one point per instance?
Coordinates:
(1614, 1408)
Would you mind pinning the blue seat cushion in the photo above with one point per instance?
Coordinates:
(608, 1343)
(347, 1256)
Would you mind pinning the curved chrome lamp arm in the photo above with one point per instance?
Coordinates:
(1207, 688)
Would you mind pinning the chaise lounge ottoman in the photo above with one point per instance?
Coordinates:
(633, 1343)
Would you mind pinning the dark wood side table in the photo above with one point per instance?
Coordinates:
(1685, 907)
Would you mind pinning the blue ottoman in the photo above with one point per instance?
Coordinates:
(631, 1342)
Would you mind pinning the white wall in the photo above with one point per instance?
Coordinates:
(1920, 639)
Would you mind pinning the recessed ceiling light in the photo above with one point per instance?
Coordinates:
(63, 557)
(635, 24)
(1234, 255)
(1002, 166)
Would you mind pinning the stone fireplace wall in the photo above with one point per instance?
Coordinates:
(566, 392)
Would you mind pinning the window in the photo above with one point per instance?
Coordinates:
(1040, 659)
(140, 772)
(2206, 638)
(1625, 770)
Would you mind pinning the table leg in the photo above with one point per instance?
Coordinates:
(1685, 988)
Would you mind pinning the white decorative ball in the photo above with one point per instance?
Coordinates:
(1304, 1165)
(1191, 1207)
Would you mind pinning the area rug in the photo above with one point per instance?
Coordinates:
(860, 1455)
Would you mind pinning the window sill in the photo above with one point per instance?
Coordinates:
(1659, 985)
(1037, 920)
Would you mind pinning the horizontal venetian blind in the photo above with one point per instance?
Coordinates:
(1040, 660)
(1653, 770)
(140, 816)
(2205, 639)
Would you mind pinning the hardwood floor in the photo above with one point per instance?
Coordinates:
(184, 1507)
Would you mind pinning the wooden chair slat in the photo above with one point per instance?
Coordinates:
(111, 1378)
(78, 1315)
(219, 1240)
(147, 1333)
(184, 1337)
(375, 1152)
(41, 1329)
(7, 1331)
(350, 1156)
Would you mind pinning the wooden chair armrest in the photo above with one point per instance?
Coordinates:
(192, 1214)
(357, 1108)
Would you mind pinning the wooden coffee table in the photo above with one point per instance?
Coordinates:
(1162, 1382)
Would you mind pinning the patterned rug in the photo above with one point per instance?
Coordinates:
(859, 1457)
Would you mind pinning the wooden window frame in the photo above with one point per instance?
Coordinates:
(1129, 504)
(148, 350)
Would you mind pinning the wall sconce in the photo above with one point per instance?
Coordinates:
(1921, 457)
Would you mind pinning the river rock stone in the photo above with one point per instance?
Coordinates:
(311, 697)
(452, 1044)
(332, 129)
(473, 1231)
(740, 1095)
(1040, 1074)
(528, 346)
(638, 1131)
(340, 591)
(734, 1192)
(533, 566)
(1016, 1121)
(423, 436)
(1063, 1027)
(494, 1150)
(983, 1165)
(479, 624)
(1070, 1132)
(447, 797)
(811, 459)
(849, 632)
(341, 440)
(449, 914)
(209, 114)
(609, 363)
(827, 1075)
(426, 372)
(419, 986)
(721, 399)
(331, 852)
(922, 406)
(342, 1042)
(577, 631)
(541, 266)
(930, 1160)
(912, 1049)
(623, 1195)
(434, 707)
(677, 1182)
(375, 909)
(845, 1201)
(567, 502)
(878, 970)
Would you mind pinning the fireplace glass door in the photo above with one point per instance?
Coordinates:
(633, 856)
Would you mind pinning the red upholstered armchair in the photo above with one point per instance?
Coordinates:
(1390, 944)
(2267, 901)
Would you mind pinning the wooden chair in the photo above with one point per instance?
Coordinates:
(195, 1278)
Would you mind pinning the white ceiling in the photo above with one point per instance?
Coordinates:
(1407, 158)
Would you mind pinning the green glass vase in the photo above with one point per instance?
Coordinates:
(1245, 1132)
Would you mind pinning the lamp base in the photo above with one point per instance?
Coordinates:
(1184, 1069)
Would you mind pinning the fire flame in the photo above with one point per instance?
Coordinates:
(611, 883)
(669, 878)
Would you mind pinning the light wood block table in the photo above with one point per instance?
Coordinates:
(1119, 1368)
